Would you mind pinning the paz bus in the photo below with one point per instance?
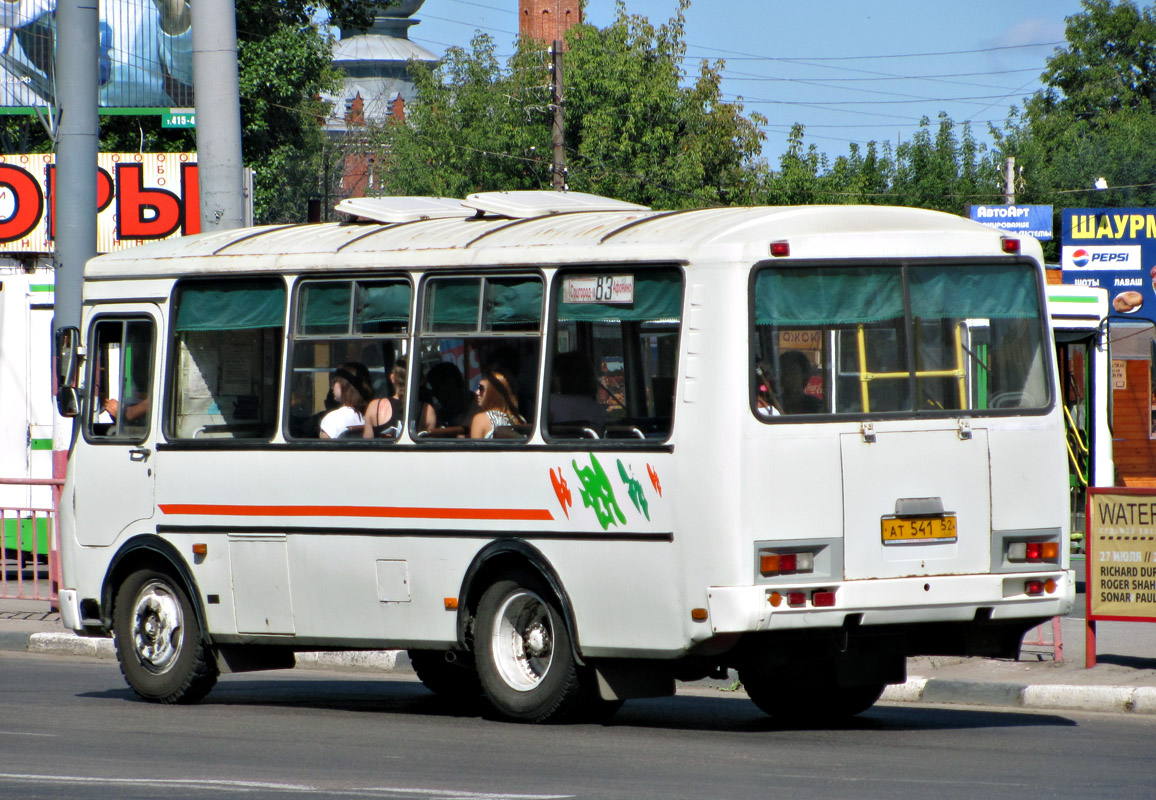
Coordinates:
(803, 443)
(1079, 316)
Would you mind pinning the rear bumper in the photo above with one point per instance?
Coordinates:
(892, 601)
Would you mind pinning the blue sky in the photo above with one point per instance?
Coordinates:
(849, 70)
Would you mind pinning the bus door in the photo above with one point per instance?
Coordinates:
(1075, 357)
(118, 455)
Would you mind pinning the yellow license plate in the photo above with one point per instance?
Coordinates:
(918, 529)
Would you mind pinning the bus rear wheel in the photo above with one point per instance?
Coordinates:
(523, 651)
(159, 642)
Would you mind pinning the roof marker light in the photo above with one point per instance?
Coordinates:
(1011, 246)
(780, 249)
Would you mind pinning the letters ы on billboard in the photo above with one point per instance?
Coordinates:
(140, 197)
(1114, 249)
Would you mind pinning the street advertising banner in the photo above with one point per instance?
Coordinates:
(145, 54)
(1113, 248)
(1034, 221)
(140, 197)
(1120, 550)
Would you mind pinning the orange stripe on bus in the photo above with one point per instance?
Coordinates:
(381, 512)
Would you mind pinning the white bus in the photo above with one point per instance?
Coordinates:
(803, 443)
(1079, 316)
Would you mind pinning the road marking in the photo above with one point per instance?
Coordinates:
(288, 788)
(22, 733)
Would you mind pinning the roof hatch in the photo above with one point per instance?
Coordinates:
(526, 205)
(404, 209)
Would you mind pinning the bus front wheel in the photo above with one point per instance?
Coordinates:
(524, 654)
(159, 643)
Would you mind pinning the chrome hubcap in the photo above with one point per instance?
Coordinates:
(158, 627)
(523, 641)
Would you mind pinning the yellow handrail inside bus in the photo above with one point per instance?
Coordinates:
(865, 377)
(1075, 431)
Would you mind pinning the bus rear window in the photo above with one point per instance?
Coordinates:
(615, 354)
(898, 340)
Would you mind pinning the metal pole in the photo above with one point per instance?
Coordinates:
(1009, 191)
(218, 109)
(559, 130)
(77, 135)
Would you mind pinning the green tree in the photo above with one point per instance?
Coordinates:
(1095, 117)
(633, 130)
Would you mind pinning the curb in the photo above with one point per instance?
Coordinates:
(1056, 697)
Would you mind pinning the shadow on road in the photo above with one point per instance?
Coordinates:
(684, 712)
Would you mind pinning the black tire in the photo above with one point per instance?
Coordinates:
(523, 651)
(159, 642)
(457, 679)
(808, 699)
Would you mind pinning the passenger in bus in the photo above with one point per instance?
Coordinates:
(497, 398)
(443, 397)
(766, 400)
(574, 399)
(794, 374)
(352, 387)
(383, 415)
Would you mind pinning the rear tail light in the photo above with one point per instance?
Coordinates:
(1034, 552)
(822, 599)
(1033, 587)
(784, 563)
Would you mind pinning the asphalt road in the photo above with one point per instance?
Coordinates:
(69, 728)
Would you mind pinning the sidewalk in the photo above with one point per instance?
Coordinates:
(1124, 680)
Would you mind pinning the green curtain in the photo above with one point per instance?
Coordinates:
(975, 292)
(513, 302)
(828, 296)
(452, 305)
(657, 298)
(383, 302)
(231, 305)
(324, 308)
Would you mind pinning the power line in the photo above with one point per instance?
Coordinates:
(740, 56)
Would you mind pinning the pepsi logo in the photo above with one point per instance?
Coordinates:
(1080, 257)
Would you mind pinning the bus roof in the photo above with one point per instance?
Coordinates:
(634, 235)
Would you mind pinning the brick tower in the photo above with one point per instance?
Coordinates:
(547, 20)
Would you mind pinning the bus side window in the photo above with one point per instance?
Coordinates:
(227, 349)
(615, 352)
(351, 324)
(471, 328)
(120, 383)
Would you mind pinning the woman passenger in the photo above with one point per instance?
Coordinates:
(383, 414)
(352, 388)
(497, 398)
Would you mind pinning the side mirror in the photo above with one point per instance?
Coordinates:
(68, 358)
(68, 401)
(67, 371)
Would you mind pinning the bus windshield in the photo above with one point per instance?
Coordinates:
(893, 340)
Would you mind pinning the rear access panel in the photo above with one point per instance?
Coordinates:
(916, 503)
